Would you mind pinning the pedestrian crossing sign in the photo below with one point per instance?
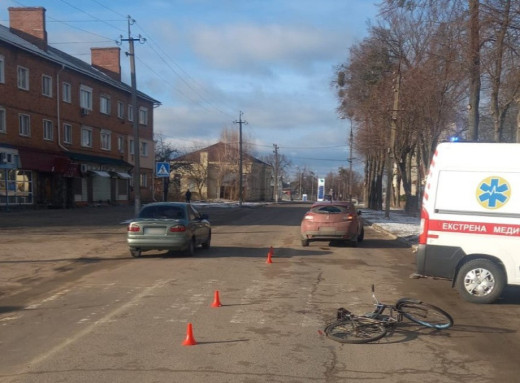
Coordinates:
(162, 169)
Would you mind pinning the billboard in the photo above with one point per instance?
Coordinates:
(321, 189)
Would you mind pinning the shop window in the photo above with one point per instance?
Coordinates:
(17, 188)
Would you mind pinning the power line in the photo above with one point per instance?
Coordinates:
(319, 159)
(159, 52)
(79, 42)
(304, 147)
(92, 16)
(109, 9)
(188, 80)
(167, 82)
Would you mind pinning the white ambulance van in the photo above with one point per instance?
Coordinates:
(470, 219)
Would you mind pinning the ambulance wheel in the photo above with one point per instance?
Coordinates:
(480, 281)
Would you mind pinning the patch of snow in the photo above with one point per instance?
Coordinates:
(399, 223)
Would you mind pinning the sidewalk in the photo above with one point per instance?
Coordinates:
(399, 224)
(82, 216)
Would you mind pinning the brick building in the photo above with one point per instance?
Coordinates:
(66, 127)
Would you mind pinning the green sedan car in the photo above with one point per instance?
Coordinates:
(172, 226)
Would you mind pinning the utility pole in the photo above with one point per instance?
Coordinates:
(137, 152)
(393, 128)
(301, 180)
(240, 122)
(275, 173)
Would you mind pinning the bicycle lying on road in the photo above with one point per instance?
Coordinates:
(351, 328)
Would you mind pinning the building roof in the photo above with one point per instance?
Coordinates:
(214, 151)
(62, 58)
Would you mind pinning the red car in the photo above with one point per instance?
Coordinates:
(332, 221)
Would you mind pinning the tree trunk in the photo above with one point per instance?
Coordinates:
(518, 122)
(474, 70)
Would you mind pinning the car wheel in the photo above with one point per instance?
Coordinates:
(480, 281)
(207, 244)
(361, 235)
(305, 242)
(136, 253)
(190, 250)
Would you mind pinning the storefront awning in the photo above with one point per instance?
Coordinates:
(122, 175)
(87, 158)
(99, 173)
(43, 161)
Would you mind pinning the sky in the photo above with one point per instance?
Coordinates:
(208, 60)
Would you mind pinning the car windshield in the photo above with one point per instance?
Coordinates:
(164, 212)
(328, 209)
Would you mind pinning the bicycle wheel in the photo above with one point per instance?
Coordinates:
(355, 330)
(425, 314)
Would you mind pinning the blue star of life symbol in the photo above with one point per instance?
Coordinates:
(493, 192)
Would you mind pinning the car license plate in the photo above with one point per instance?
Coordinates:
(154, 230)
(327, 228)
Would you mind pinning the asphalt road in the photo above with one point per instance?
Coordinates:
(75, 307)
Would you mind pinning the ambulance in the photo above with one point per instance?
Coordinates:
(470, 219)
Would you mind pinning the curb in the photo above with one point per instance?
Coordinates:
(411, 241)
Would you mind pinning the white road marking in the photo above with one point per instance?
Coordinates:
(59, 294)
(249, 315)
(106, 319)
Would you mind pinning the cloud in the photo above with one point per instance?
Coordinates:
(245, 46)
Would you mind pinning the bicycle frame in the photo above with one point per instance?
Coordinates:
(394, 315)
(352, 328)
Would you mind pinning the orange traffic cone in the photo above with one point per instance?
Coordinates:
(216, 300)
(270, 253)
(190, 340)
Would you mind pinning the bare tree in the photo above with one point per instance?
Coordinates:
(164, 152)
(474, 69)
(283, 164)
(197, 172)
(500, 34)
(226, 168)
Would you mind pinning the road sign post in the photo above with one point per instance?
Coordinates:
(162, 170)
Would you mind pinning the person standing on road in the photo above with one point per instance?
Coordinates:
(188, 196)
